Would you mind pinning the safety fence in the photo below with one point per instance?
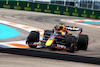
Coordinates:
(48, 8)
(85, 4)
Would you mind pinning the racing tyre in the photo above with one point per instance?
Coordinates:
(33, 37)
(70, 42)
(82, 42)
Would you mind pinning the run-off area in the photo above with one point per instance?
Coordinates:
(7, 32)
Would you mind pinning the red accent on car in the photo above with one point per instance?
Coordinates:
(53, 35)
(68, 49)
(62, 48)
(57, 47)
(61, 36)
(57, 36)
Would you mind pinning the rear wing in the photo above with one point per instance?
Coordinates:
(74, 28)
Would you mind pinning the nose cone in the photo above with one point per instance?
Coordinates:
(49, 42)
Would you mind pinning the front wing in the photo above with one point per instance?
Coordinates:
(56, 46)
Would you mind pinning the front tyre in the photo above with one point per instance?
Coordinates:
(33, 37)
(70, 43)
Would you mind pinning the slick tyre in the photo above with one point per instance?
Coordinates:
(70, 42)
(33, 37)
(82, 42)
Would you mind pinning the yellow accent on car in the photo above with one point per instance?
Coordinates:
(49, 42)
(61, 26)
(36, 31)
(63, 46)
(73, 28)
(62, 32)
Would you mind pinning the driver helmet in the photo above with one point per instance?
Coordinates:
(61, 27)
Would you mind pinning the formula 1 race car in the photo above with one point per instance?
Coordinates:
(59, 38)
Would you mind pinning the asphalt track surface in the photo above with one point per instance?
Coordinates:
(43, 57)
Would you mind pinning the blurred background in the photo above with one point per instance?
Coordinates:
(85, 4)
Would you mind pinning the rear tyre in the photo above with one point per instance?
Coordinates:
(82, 42)
(70, 43)
(33, 37)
